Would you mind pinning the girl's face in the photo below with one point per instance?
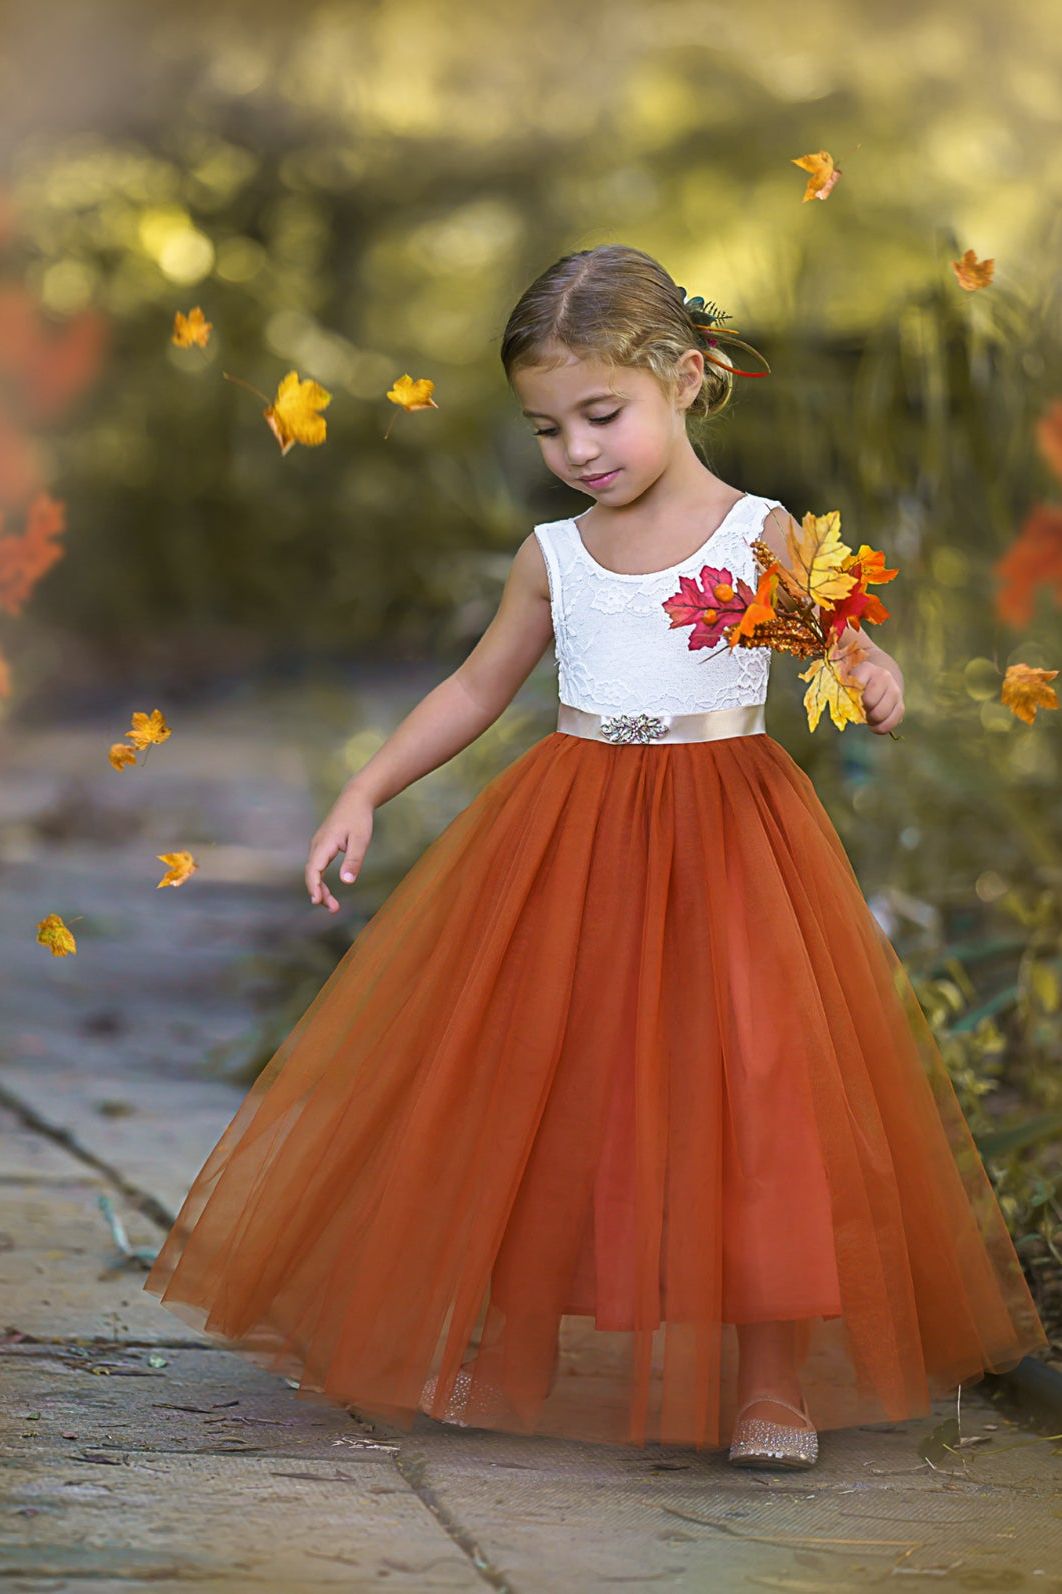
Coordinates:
(610, 432)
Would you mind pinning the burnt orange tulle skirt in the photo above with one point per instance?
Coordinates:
(623, 1063)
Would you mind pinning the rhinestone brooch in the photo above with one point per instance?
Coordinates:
(633, 727)
(758, 1443)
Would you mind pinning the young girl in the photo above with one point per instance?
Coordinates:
(619, 1120)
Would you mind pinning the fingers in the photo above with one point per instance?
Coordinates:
(321, 854)
(882, 697)
(877, 694)
(884, 709)
(320, 857)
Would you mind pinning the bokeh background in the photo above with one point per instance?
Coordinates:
(362, 190)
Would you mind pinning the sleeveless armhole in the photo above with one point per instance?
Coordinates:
(766, 505)
(545, 542)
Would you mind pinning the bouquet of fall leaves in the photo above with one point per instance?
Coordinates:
(801, 606)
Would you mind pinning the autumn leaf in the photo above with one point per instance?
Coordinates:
(972, 273)
(858, 604)
(818, 557)
(148, 729)
(48, 365)
(872, 564)
(52, 932)
(1049, 437)
(824, 174)
(1025, 689)
(1033, 560)
(27, 555)
(120, 755)
(761, 608)
(293, 417)
(411, 395)
(708, 604)
(5, 677)
(179, 865)
(832, 687)
(191, 329)
(810, 605)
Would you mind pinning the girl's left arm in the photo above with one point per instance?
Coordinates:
(878, 672)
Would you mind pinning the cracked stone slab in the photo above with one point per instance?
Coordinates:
(61, 1273)
(204, 1468)
(557, 1514)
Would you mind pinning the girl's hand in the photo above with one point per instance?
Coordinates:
(882, 696)
(347, 828)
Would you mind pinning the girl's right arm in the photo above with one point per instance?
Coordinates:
(451, 716)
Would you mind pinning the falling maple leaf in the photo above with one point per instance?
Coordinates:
(52, 932)
(972, 273)
(120, 755)
(27, 555)
(1033, 560)
(180, 866)
(148, 729)
(191, 330)
(824, 174)
(48, 365)
(292, 415)
(5, 677)
(1049, 437)
(1025, 689)
(411, 395)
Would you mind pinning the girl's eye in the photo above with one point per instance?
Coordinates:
(595, 420)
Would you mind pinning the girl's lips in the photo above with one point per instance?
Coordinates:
(600, 481)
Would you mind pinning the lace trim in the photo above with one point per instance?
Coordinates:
(613, 647)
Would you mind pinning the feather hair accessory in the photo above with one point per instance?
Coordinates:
(708, 320)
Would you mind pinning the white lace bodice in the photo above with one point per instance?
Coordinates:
(614, 646)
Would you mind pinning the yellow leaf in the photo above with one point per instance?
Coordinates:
(293, 417)
(1025, 689)
(413, 395)
(52, 932)
(817, 557)
(179, 865)
(973, 273)
(824, 174)
(832, 688)
(120, 755)
(148, 728)
(190, 329)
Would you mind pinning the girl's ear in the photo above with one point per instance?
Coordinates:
(690, 374)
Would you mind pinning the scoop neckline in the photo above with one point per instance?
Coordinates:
(644, 575)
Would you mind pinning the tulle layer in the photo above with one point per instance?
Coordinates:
(623, 1063)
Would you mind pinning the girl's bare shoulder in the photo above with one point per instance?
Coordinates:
(529, 568)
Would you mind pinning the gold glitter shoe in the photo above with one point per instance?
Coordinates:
(758, 1443)
(458, 1406)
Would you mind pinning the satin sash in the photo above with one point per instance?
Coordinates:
(637, 727)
